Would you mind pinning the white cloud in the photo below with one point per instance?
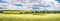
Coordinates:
(28, 6)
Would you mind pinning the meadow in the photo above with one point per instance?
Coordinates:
(29, 17)
(23, 15)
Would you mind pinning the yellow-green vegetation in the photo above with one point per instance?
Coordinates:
(29, 17)
(16, 11)
(11, 11)
(26, 12)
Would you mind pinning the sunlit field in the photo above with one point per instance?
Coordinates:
(29, 17)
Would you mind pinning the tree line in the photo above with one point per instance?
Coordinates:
(29, 12)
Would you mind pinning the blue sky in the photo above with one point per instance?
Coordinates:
(34, 6)
(18, 4)
(15, 4)
(58, 0)
(0, 0)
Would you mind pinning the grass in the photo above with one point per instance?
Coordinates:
(29, 17)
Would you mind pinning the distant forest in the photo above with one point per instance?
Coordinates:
(25, 11)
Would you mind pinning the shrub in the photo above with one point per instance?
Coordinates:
(1, 11)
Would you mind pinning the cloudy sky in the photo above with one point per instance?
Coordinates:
(30, 4)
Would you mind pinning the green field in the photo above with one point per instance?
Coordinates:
(29, 17)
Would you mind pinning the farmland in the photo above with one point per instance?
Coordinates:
(23, 15)
(29, 17)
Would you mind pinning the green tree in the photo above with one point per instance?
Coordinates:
(1, 11)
